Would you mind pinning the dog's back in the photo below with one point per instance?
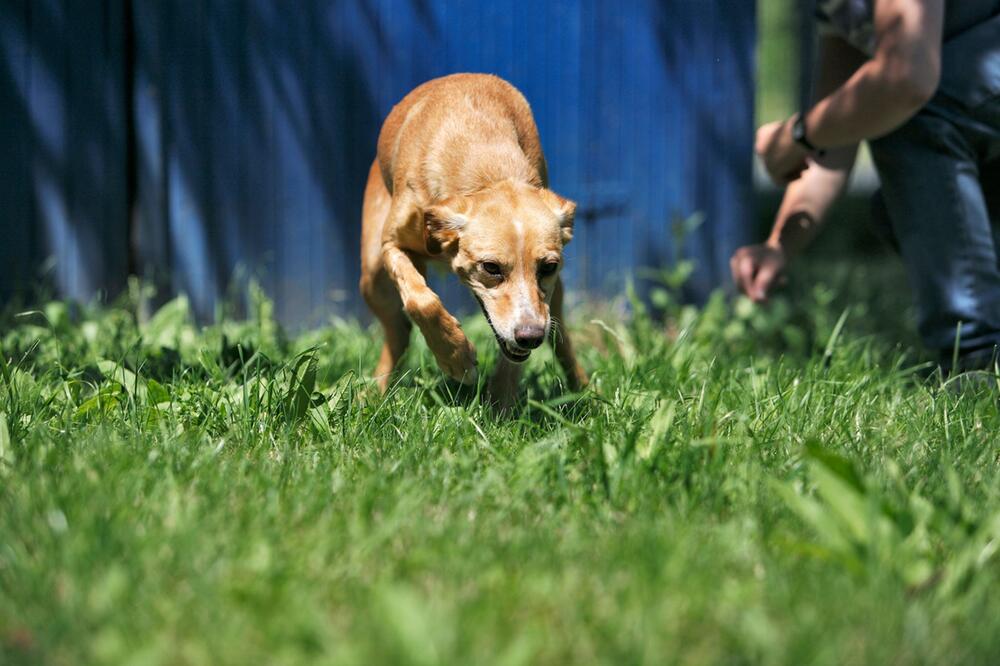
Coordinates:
(457, 134)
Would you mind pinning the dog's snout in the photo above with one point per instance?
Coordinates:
(529, 336)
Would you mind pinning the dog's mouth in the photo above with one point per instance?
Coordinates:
(512, 353)
(515, 355)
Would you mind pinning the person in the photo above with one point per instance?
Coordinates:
(919, 80)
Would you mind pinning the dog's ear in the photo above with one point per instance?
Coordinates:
(442, 224)
(564, 210)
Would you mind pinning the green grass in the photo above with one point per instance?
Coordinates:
(739, 486)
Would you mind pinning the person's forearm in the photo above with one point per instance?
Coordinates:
(808, 199)
(894, 85)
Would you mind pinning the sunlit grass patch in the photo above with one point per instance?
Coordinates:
(738, 485)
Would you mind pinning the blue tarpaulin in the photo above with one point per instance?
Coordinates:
(234, 137)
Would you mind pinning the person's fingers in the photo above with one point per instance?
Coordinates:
(745, 270)
(795, 172)
(732, 268)
(765, 137)
(764, 281)
(735, 267)
(760, 143)
(776, 175)
(794, 175)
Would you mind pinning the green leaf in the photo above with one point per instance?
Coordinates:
(104, 399)
(6, 448)
(658, 428)
(5, 373)
(156, 393)
(834, 336)
(846, 503)
(57, 314)
(816, 516)
(133, 384)
(406, 617)
(164, 328)
(917, 572)
(298, 400)
(837, 464)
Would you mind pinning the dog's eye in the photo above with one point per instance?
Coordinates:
(492, 268)
(548, 268)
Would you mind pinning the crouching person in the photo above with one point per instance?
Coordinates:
(920, 81)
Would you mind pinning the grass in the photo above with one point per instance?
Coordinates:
(740, 486)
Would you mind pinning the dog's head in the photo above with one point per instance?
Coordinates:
(506, 243)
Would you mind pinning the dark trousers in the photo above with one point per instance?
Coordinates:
(940, 175)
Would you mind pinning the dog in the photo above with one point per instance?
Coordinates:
(460, 178)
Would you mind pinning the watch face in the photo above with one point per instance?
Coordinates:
(799, 135)
(798, 131)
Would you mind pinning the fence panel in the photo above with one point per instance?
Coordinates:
(63, 103)
(254, 122)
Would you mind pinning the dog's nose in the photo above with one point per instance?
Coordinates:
(530, 336)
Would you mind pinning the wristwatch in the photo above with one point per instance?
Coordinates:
(799, 135)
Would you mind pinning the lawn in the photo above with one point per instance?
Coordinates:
(779, 486)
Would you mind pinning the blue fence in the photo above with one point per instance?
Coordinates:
(198, 140)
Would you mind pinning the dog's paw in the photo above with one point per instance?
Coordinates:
(577, 378)
(455, 355)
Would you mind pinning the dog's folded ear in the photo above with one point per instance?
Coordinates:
(564, 210)
(442, 224)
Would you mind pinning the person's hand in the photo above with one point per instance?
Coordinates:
(784, 159)
(757, 269)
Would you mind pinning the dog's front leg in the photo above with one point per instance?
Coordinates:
(504, 384)
(451, 348)
(561, 344)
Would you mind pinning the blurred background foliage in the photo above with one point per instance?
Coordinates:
(777, 58)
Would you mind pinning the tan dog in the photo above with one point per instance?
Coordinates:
(460, 178)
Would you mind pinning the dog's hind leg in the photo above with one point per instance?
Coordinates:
(377, 286)
(561, 343)
(383, 299)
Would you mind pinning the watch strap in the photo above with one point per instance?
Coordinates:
(801, 137)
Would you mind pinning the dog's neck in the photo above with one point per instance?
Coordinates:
(489, 164)
(483, 166)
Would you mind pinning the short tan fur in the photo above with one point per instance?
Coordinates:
(460, 178)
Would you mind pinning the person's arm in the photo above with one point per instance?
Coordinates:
(757, 268)
(890, 88)
(884, 92)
